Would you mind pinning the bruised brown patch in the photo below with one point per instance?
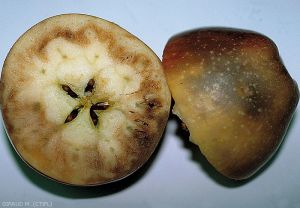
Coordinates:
(1, 92)
(77, 37)
(93, 159)
(36, 106)
(12, 95)
(150, 85)
(8, 123)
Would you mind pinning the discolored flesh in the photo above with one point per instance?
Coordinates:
(74, 91)
(233, 93)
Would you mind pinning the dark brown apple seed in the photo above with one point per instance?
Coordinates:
(70, 92)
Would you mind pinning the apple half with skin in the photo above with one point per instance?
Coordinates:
(84, 101)
(233, 93)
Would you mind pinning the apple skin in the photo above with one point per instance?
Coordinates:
(233, 93)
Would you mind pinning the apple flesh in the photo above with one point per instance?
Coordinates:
(233, 93)
(84, 101)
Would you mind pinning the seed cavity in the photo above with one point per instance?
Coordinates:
(70, 92)
(85, 101)
(90, 86)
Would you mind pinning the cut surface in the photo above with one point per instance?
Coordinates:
(74, 89)
(234, 95)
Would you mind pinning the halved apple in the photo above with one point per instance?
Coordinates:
(233, 93)
(84, 101)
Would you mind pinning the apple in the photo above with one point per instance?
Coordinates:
(84, 101)
(233, 93)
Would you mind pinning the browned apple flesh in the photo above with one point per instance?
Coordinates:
(84, 101)
(234, 94)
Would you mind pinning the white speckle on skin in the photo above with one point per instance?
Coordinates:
(216, 86)
(241, 113)
(202, 61)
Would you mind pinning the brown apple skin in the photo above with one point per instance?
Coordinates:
(234, 94)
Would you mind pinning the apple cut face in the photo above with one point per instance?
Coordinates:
(234, 95)
(84, 101)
